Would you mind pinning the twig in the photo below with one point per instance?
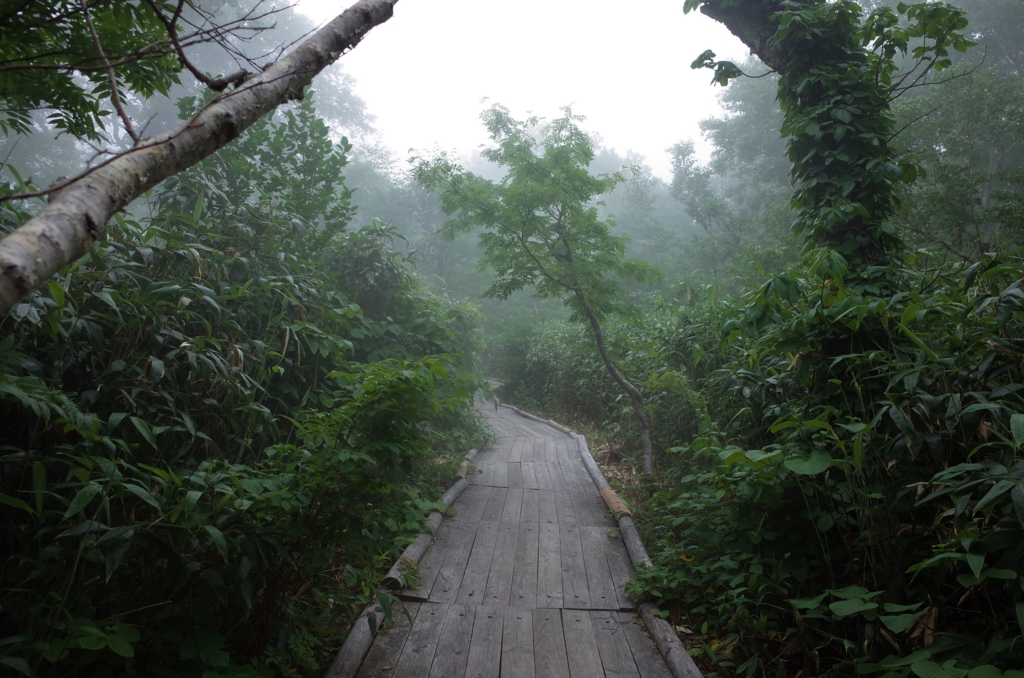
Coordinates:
(216, 84)
(114, 96)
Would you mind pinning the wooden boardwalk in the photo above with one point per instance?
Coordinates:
(525, 577)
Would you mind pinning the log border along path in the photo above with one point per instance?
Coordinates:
(525, 577)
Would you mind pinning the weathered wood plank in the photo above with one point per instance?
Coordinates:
(431, 563)
(515, 474)
(547, 511)
(616, 656)
(500, 475)
(530, 511)
(549, 657)
(495, 504)
(575, 593)
(473, 508)
(580, 645)
(383, 656)
(499, 579)
(549, 567)
(484, 474)
(645, 651)
(513, 505)
(453, 645)
(474, 581)
(543, 475)
(529, 472)
(517, 644)
(515, 455)
(620, 568)
(599, 577)
(524, 574)
(449, 577)
(418, 653)
(485, 646)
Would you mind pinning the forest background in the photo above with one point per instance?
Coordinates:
(223, 424)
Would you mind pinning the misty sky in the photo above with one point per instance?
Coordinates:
(625, 66)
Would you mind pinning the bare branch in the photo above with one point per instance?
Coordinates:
(111, 76)
(69, 225)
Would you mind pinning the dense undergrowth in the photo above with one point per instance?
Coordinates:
(223, 424)
(843, 485)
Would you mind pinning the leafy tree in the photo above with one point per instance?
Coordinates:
(541, 227)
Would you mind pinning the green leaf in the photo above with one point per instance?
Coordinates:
(846, 608)
(218, 539)
(144, 429)
(1017, 427)
(142, 494)
(82, 499)
(929, 669)
(900, 622)
(985, 671)
(16, 503)
(121, 646)
(818, 461)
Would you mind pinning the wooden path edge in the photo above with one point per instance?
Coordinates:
(679, 661)
(352, 653)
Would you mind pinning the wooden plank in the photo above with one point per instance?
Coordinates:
(643, 648)
(517, 644)
(418, 653)
(500, 475)
(547, 511)
(549, 567)
(524, 574)
(549, 657)
(473, 509)
(616, 657)
(453, 646)
(495, 504)
(513, 506)
(499, 579)
(515, 474)
(530, 512)
(599, 577)
(485, 646)
(620, 567)
(484, 474)
(515, 455)
(582, 508)
(474, 581)
(580, 645)
(574, 574)
(564, 508)
(529, 472)
(543, 475)
(449, 577)
(387, 647)
(431, 563)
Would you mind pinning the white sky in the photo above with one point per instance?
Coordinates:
(624, 65)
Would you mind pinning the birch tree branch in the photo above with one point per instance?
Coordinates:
(67, 228)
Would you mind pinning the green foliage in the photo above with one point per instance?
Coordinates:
(49, 61)
(541, 222)
(224, 423)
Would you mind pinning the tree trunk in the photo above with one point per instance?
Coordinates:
(751, 21)
(632, 391)
(67, 228)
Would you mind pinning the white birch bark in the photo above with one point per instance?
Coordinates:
(68, 226)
